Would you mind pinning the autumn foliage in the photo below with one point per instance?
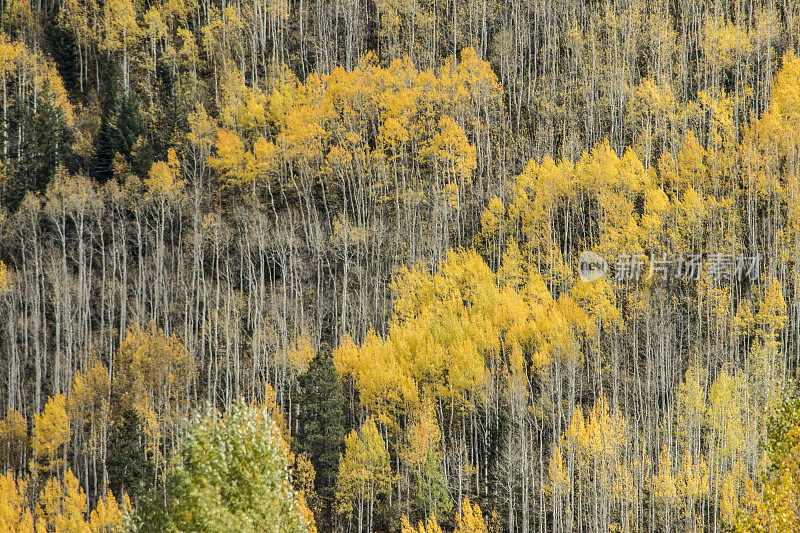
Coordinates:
(312, 264)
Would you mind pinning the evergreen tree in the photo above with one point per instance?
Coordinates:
(171, 119)
(119, 132)
(320, 422)
(128, 469)
(40, 142)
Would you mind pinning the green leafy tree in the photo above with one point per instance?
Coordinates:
(775, 504)
(432, 492)
(234, 476)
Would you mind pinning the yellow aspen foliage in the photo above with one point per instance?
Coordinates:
(14, 512)
(156, 31)
(39, 75)
(492, 219)
(616, 182)
(423, 438)
(5, 281)
(300, 353)
(599, 436)
(271, 407)
(399, 106)
(595, 449)
(663, 485)
(451, 152)
(722, 134)
(314, 119)
(691, 404)
(779, 126)
(242, 108)
(164, 178)
(304, 513)
(725, 420)
(109, 515)
(744, 321)
(691, 169)
(8, 52)
(13, 439)
(514, 273)
(656, 208)
(265, 159)
(771, 316)
(729, 499)
(70, 193)
(429, 526)
(544, 192)
(689, 217)
(655, 108)
(119, 25)
(303, 136)
(89, 405)
(189, 51)
(598, 301)
(62, 509)
(303, 480)
(32, 77)
(88, 121)
(51, 432)
(233, 161)
(770, 504)
(537, 193)
(90, 392)
(61, 506)
(364, 471)
(155, 376)
(771, 144)
(383, 380)
(559, 481)
(471, 519)
(692, 482)
(478, 80)
(202, 130)
(724, 42)
(282, 97)
(451, 327)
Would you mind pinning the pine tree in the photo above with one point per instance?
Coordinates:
(128, 469)
(42, 143)
(320, 422)
(120, 130)
(171, 119)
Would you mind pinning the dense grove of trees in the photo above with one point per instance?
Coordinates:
(311, 265)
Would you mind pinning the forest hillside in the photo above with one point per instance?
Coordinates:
(401, 266)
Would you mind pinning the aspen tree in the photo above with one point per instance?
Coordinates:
(51, 433)
(154, 377)
(364, 474)
(14, 512)
(471, 519)
(234, 474)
